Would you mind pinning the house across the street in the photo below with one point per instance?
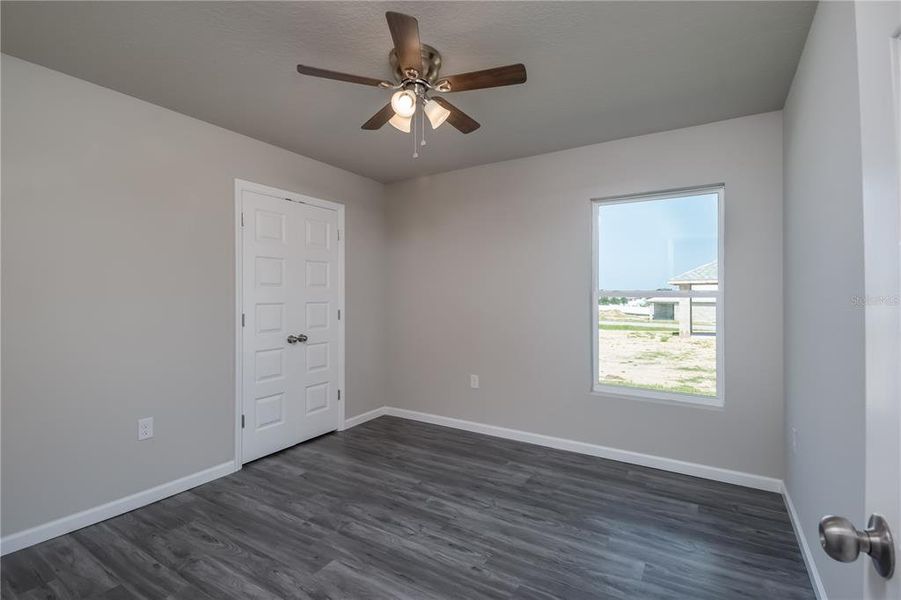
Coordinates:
(694, 315)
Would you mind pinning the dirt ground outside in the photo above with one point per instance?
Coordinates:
(651, 356)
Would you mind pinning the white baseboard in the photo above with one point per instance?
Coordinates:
(760, 482)
(769, 484)
(68, 524)
(815, 580)
(366, 416)
(41, 533)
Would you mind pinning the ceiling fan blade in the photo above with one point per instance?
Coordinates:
(489, 78)
(379, 118)
(405, 33)
(459, 119)
(326, 74)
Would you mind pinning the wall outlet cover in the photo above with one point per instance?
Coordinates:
(474, 382)
(145, 428)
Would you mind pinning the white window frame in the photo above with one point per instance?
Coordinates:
(654, 395)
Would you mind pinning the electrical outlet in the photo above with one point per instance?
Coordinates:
(145, 428)
(795, 442)
(474, 382)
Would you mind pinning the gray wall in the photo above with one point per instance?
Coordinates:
(490, 273)
(824, 258)
(118, 289)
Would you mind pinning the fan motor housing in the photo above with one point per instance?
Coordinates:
(431, 62)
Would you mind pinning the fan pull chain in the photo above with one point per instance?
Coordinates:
(422, 126)
(413, 135)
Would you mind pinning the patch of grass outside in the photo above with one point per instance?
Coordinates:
(696, 379)
(679, 389)
(654, 355)
(694, 369)
(617, 327)
(640, 335)
(658, 355)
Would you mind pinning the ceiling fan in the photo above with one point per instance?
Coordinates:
(416, 71)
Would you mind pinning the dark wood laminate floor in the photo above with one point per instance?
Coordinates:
(399, 509)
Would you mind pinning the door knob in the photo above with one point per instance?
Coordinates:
(293, 339)
(843, 542)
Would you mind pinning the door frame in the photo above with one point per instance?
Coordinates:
(241, 186)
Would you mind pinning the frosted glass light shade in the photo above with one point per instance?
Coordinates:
(400, 123)
(436, 113)
(403, 103)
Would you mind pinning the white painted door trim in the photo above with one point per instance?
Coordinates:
(240, 186)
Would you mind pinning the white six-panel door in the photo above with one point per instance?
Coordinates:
(290, 335)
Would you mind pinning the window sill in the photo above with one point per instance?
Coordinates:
(672, 398)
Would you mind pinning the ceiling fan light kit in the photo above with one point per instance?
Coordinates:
(401, 123)
(404, 103)
(417, 68)
(436, 113)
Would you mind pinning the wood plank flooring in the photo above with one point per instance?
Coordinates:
(398, 509)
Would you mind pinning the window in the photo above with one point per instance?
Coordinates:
(657, 302)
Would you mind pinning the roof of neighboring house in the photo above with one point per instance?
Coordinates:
(704, 274)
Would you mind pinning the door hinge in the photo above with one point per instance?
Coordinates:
(339, 394)
(242, 219)
(339, 235)
(242, 319)
(339, 314)
(242, 421)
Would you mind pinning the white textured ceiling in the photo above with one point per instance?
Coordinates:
(597, 70)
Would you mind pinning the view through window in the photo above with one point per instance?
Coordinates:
(658, 295)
